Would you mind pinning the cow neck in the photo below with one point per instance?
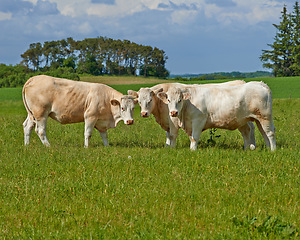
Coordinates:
(156, 110)
(184, 108)
(117, 115)
(181, 116)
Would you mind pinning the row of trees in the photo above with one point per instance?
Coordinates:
(14, 76)
(97, 56)
(284, 56)
(221, 75)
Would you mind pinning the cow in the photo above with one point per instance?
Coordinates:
(97, 105)
(227, 107)
(150, 103)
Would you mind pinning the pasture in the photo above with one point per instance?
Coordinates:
(138, 189)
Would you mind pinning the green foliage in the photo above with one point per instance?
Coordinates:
(16, 76)
(220, 76)
(213, 136)
(12, 76)
(270, 227)
(96, 56)
(284, 56)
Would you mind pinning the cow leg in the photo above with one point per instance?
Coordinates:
(40, 129)
(248, 133)
(28, 126)
(263, 133)
(171, 138)
(197, 128)
(168, 141)
(173, 132)
(88, 131)
(104, 138)
(267, 130)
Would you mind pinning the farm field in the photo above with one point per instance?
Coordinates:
(138, 189)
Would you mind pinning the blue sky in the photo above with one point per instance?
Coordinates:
(198, 36)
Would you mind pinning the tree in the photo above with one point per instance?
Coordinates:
(296, 39)
(96, 56)
(284, 56)
(33, 56)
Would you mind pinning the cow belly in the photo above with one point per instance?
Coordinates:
(104, 124)
(226, 123)
(66, 118)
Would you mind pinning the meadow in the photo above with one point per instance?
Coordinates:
(137, 189)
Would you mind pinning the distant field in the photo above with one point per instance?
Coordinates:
(111, 80)
(281, 87)
(137, 189)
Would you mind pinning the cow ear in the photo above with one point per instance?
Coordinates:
(133, 93)
(115, 102)
(158, 91)
(163, 96)
(135, 101)
(186, 95)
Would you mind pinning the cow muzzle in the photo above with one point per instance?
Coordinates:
(144, 114)
(174, 113)
(129, 122)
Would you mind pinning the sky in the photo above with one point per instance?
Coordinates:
(198, 36)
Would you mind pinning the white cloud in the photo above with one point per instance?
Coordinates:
(5, 16)
(249, 12)
(244, 11)
(180, 11)
(120, 9)
(183, 17)
(33, 1)
(84, 28)
(264, 13)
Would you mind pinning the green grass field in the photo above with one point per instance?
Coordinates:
(137, 189)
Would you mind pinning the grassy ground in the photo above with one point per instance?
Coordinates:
(138, 189)
(115, 80)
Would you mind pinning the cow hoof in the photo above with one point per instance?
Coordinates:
(252, 147)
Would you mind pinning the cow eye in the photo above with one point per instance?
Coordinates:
(123, 109)
(179, 100)
(169, 100)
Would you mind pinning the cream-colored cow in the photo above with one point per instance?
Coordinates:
(66, 101)
(150, 103)
(228, 107)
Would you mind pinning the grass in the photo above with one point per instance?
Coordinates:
(116, 80)
(138, 189)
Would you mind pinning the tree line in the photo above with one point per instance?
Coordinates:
(221, 75)
(14, 76)
(284, 56)
(96, 56)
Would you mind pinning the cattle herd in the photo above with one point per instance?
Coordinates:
(194, 108)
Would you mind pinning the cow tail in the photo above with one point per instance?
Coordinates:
(30, 114)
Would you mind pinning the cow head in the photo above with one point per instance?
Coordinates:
(174, 98)
(146, 99)
(126, 108)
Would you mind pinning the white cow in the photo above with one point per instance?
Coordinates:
(227, 107)
(150, 103)
(66, 101)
